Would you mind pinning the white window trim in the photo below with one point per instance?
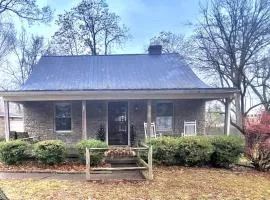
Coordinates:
(54, 117)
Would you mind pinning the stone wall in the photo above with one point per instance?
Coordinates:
(39, 118)
(96, 117)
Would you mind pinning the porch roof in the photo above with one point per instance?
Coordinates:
(207, 94)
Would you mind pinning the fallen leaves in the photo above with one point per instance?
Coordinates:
(169, 183)
(32, 165)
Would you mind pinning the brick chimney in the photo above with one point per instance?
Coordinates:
(155, 49)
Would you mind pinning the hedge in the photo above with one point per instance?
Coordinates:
(13, 152)
(96, 156)
(220, 151)
(187, 151)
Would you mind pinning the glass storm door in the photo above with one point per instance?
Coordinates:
(118, 123)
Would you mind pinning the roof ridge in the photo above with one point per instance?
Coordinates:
(138, 54)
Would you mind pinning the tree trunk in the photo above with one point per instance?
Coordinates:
(238, 113)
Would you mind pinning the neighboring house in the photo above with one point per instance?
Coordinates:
(75, 97)
(16, 123)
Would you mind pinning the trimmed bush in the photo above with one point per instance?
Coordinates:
(194, 151)
(227, 150)
(187, 151)
(13, 152)
(164, 150)
(96, 156)
(50, 151)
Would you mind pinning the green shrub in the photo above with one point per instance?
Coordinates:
(164, 150)
(50, 151)
(96, 156)
(187, 151)
(13, 152)
(227, 150)
(194, 151)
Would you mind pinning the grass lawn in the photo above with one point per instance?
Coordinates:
(169, 183)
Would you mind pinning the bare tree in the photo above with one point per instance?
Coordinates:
(259, 82)
(230, 36)
(214, 115)
(173, 43)
(26, 9)
(7, 37)
(91, 28)
(27, 51)
(66, 41)
(114, 34)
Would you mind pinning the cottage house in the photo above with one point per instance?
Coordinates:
(77, 97)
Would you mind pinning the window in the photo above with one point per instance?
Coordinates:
(164, 118)
(63, 117)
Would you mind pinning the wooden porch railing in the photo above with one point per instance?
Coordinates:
(147, 166)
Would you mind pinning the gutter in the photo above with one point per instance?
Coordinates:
(38, 95)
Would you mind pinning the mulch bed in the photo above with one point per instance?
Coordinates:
(34, 166)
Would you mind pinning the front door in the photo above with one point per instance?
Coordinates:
(118, 123)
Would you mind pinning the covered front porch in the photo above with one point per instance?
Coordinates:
(118, 117)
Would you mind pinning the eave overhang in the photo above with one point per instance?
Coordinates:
(60, 95)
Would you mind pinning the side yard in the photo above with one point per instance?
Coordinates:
(169, 183)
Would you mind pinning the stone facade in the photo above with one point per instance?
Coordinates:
(39, 118)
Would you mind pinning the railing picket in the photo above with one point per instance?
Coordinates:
(150, 164)
(87, 158)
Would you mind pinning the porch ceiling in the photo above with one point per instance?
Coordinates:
(207, 94)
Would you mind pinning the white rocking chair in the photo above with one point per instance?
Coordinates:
(190, 128)
(153, 133)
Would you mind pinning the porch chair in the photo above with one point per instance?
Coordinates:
(153, 133)
(23, 136)
(190, 128)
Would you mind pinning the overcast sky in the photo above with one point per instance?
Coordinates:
(145, 18)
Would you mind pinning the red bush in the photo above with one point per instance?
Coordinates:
(257, 128)
(258, 140)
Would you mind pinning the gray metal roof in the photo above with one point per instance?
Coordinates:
(112, 72)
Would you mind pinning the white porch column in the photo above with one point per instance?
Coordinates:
(149, 117)
(227, 120)
(7, 120)
(84, 121)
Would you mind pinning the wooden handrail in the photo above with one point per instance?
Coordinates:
(146, 166)
(117, 169)
(109, 148)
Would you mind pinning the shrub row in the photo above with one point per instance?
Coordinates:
(47, 152)
(220, 151)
